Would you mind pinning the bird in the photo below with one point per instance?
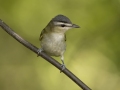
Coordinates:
(53, 37)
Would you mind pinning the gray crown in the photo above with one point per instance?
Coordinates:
(61, 18)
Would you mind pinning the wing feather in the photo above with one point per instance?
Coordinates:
(65, 37)
(41, 35)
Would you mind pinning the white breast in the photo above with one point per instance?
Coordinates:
(57, 37)
(54, 44)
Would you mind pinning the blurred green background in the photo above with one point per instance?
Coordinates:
(93, 51)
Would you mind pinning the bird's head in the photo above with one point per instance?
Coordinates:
(61, 23)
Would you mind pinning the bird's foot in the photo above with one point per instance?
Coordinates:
(39, 51)
(63, 67)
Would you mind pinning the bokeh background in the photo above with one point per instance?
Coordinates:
(93, 51)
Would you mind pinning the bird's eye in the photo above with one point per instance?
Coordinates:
(62, 25)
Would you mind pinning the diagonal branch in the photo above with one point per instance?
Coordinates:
(43, 55)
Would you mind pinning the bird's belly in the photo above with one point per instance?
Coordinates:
(53, 47)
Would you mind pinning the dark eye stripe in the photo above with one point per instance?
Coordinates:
(62, 25)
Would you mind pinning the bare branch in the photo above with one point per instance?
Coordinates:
(43, 55)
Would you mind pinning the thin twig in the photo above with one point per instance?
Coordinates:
(43, 55)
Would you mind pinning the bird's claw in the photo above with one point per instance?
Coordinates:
(63, 67)
(39, 51)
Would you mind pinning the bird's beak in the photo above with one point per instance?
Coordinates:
(75, 26)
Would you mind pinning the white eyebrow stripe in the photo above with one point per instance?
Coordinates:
(60, 23)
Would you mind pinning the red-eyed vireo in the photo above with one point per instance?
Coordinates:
(53, 38)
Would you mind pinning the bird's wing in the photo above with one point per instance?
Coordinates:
(41, 35)
(65, 37)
